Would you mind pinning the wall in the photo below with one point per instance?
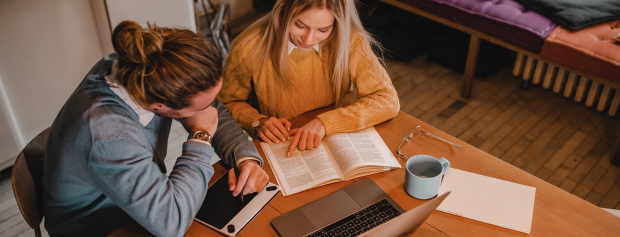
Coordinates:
(46, 48)
(177, 13)
(109, 13)
(238, 8)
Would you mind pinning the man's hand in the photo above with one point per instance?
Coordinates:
(308, 137)
(252, 178)
(205, 120)
(274, 130)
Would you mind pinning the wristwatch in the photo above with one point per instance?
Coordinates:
(202, 135)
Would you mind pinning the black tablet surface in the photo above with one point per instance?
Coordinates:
(228, 214)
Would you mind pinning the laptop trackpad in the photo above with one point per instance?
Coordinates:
(331, 208)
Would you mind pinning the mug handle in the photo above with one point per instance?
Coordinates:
(445, 163)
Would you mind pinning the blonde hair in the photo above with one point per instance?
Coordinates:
(164, 65)
(272, 34)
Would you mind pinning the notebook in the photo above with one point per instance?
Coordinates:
(490, 200)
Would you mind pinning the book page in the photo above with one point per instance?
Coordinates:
(303, 170)
(361, 148)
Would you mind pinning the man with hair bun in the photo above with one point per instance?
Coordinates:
(104, 159)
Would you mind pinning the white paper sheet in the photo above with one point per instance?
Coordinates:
(490, 200)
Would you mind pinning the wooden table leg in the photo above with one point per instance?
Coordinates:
(470, 67)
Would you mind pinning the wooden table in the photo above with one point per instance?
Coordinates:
(556, 212)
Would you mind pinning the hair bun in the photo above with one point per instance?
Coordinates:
(135, 44)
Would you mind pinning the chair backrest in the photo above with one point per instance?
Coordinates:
(27, 180)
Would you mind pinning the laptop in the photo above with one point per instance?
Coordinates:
(359, 209)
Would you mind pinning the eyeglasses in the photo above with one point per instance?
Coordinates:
(415, 131)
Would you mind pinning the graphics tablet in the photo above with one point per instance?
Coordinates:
(226, 213)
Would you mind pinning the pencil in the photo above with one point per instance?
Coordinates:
(237, 173)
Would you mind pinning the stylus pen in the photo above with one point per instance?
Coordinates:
(237, 174)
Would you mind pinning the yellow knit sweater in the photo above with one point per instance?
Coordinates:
(310, 88)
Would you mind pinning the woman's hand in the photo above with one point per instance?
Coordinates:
(308, 137)
(274, 130)
(252, 178)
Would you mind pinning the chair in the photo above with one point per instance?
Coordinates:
(220, 29)
(27, 181)
(218, 26)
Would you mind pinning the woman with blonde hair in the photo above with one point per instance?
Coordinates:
(302, 56)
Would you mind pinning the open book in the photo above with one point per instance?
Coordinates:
(340, 157)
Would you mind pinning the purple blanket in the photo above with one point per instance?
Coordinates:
(507, 20)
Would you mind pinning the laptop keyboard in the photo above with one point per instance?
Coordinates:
(359, 222)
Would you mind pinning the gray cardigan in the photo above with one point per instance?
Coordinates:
(103, 167)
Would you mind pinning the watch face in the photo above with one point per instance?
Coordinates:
(202, 135)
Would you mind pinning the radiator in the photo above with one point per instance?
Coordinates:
(570, 84)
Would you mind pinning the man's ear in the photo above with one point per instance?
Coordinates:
(159, 107)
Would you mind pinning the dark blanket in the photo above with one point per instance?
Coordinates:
(576, 14)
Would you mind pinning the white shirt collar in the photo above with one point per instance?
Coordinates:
(144, 116)
(292, 46)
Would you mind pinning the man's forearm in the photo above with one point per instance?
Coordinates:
(230, 138)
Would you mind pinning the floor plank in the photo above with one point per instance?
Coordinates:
(481, 110)
(587, 184)
(568, 185)
(558, 176)
(470, 106)
(554, 146)
(612, 198)
(524, 127)
(567, 149)
(11, 221)
(507, 127)
(531, 155)
(589, 162)
(17, 230)
(608, 181)
(594, 198)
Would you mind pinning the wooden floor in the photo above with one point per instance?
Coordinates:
(545, 134)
